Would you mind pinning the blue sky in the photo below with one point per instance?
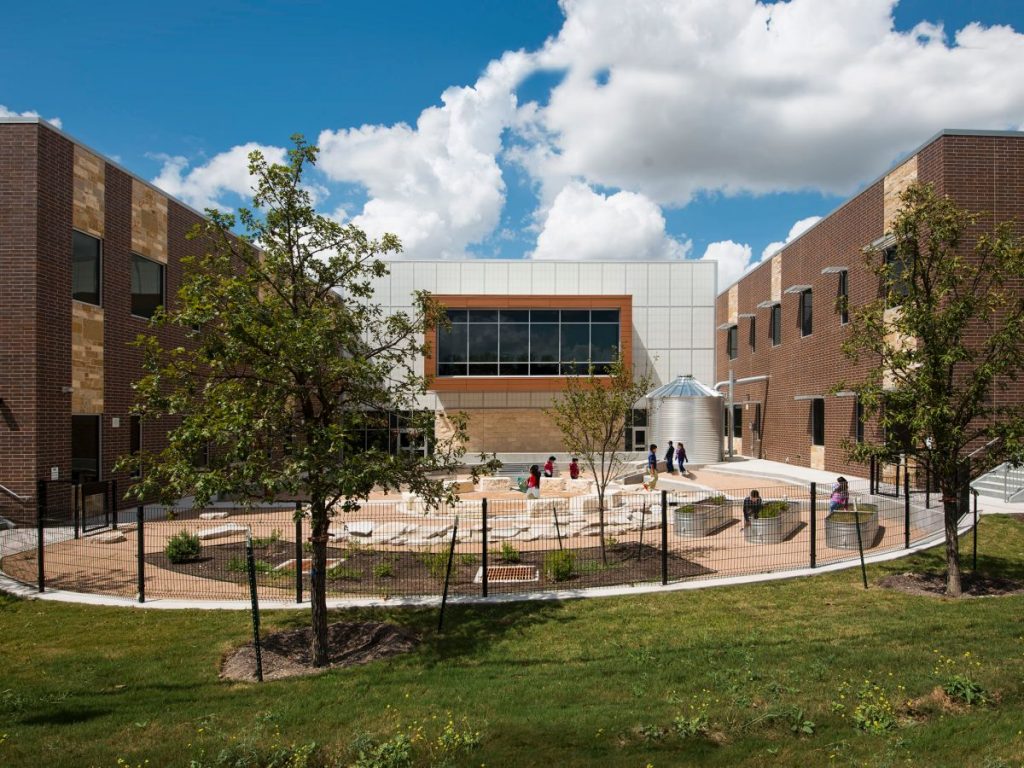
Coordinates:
(595, 129)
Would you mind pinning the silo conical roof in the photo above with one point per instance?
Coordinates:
(682, 386)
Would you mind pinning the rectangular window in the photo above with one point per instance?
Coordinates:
(818, 421)
(806, 312)
(731, 342)
(737, 421)
(775, 327)
(859, 418)
(85, 268)
(147, 286)
(525, 342)
(752, 338)
(135, 446)
(894, 281)
(843, 298)
(85, 448)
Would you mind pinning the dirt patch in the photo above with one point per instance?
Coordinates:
(287, 653)
(934, 584)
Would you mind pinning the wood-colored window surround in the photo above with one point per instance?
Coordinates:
(523, 383)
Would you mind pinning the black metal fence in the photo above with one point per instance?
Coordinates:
(400, 547)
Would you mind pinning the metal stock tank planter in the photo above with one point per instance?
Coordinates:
(776, 522)
(703, 517)
(841, 527)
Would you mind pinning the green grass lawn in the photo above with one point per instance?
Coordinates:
(773, 670)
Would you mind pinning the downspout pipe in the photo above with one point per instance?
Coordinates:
(732, 381)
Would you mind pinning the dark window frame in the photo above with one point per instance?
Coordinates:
(76, 473)
(136, 258)
(732, 342)
(896, 285)
(775, 325)
(547, 324)
(858, 416)
(752, 336)
(818, 421)
(75, 233)
(806, 312)
(843, 297)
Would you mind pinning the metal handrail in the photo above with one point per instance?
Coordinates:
(985, 447)
(15, 496)
(1008, 495)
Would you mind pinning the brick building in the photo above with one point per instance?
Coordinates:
(779, 329)
(87, 252)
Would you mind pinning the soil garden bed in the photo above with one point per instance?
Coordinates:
(933, 584)
(287, 653)
(403, 572)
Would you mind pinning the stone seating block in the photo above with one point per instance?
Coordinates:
(222, 515)
(494, 484)
(220, 531)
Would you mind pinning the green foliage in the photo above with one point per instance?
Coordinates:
(342, 572)
(559, 565)
(182, 547)
(773, 509)
(266, 541)
(394, 752)
(874, 712)
(849, 516)
(718, 500)
(239, 565)
(590, 413)
(945, 337)
(436, 563)
(957, 677)
(509, 553)
(467, 558)
(383, 570)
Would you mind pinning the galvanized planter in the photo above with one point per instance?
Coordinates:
(843, 535)
(773, 530)
(703, 520)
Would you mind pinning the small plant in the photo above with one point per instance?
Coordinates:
(396, 752)
(182, 547)
(559, 565)
(773, 509)
(239, 565)
(957, 678)
(266, 541)
(874, 712)
(436, 563)
(468, 558)
(344, 573)
(718, 500)
(383, 570)
(170, 515)
(686, 509)
(509, 553)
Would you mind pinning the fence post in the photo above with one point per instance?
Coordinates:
(113, 495)
(928, 485)
(448, 575)
(906, 510)
(40, 536)
(76, 500)
(975, 553)
(814, 525)
(140, 520)
(483, 552)
(664, 536)
(298, 552)
(250, 564)
(860, 545)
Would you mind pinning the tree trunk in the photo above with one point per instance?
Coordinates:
(951, 515)
(318, 583)
(600, 523)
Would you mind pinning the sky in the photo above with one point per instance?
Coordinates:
(581, 129)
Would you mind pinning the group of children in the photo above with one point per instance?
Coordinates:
(533, 481)
(840, 499)
(675, 453)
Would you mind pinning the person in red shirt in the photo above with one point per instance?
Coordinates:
(549, 467)
(533, 483)
(574, 468)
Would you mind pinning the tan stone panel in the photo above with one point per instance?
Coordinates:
(88, 208)
(149, 222)
(86, 358)
(818, 457)
(506, 430)
(734, 302)
(777, 277)
(896, 181)
(895, 340)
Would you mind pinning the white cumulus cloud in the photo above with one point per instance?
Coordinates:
(582, 224)
(733, 260)
(5, 112)
(203, 186)
(794, 232)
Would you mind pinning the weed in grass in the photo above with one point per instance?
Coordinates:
(468, 558)
(874, 712)
(956, 676)
(395, 752)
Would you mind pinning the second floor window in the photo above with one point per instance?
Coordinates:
(85, 268)
(775, 326)
(731, 342)
(843, 298)
(894, 281)
(806, 312)
(817, 421)
(147, 286)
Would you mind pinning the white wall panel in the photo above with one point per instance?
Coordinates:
(659, 287)
(704, 367)
(520, 277)
(680, 328)
(449, 277)
(703, 327)
(472, 277)
(704, 284)
(496, 277)
(424, 275)
(590, 278)
(680, 362)
(682, 284)
(495, 400)
(658, 328)
(567, 278)
(402, 286)
(543, 277)
(613, 280)
(635, 283)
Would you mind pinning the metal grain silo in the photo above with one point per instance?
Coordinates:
(685, 409)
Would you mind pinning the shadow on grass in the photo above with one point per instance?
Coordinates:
(65, 716)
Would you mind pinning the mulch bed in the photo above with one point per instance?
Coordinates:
(393, 573)
(934, 584)
(287, 653)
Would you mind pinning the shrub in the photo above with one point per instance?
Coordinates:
(383, 570)
(344, 573)
(468, 558)
(182, 547)
(559, 565)
(266, 541)
(436, 562)
(509, 553)
(773, 509)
